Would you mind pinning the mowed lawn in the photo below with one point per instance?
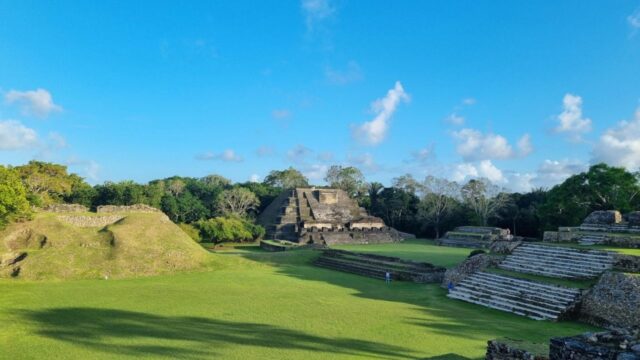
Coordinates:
(252, 306)
(415, 249)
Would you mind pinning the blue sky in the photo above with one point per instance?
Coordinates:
(524, 93)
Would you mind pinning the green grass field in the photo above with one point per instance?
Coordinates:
(419, 250)
(256, 305)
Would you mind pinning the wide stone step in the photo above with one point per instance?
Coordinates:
(548, 273)
(520, 296)
(403, 273)
(553, 297)
(464, 243)
(502, 306)
(564, 255)
(564, 250)
(350, 269)
(528, 283)
(569, 257)
(539, 301)
(561, 263)
(417, 267)
(555, 268)
(514, 301)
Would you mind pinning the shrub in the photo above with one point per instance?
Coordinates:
(14, 205)
(191, 230)
(229, 229)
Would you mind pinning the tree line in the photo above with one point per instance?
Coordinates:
(213, 208)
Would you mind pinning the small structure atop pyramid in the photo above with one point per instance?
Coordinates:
(323, 217)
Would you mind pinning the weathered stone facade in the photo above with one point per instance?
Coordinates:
(499, 350)
(626, 263)
(614, 300)
(469, 266)
(127, 208)
(323, 217)
(478, 237)
(619, 344)
(91, 221)
(65, 208)
(607, 217)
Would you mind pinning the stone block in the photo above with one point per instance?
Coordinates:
(604, 217)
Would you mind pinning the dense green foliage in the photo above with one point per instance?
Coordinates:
(428, 207)
(229, 229)
(601, 188)
(13, 197)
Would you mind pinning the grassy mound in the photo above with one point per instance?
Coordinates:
(134, 244)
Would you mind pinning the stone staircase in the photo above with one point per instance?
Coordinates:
(592, 239)
(376, 266)
(523, 297)
(559, 262)
(475, 237)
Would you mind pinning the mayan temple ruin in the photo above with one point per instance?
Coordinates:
(323, 217)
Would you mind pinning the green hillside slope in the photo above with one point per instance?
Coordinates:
(62, 246)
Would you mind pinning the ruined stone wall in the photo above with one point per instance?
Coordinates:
(626, 263)
(130, 208)
(91, 221)
(497, 350)
(619, 344)
(469, 266)
(614, 300)
(65, 208)
(606, 217)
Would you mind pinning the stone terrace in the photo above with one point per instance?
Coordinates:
(376, 266)
(476, 237)
(523, 297)
(556, 261)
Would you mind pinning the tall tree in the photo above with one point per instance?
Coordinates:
(484, 198)
(13, 197)
(286, 179)
(350, 179)
(439, 197)
(46, 183)
(409, 184)
(602, 187)
(237, 201)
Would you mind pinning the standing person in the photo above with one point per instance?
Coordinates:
(387, 277)
(450, 286)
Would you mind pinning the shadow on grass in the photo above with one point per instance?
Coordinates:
(442, 315)
(137, 334)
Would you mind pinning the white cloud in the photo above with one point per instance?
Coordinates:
(423, 155)
(351, 74)
(474, 145)
(482, 169)
(455, 119)
(634, 20)
(374, 132)
(15, 136)
(254, 178)
(468, 101)
(37, 102)
(364, 161)
(315, 172)
(620, 145)
(87, 168)
(326, 156)
(316, 11)
(571, 121)
(57, 140)
(553, 172)
(299, 154)
(281, 114)
(524, 145)
(226, 156)
(265, 150)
